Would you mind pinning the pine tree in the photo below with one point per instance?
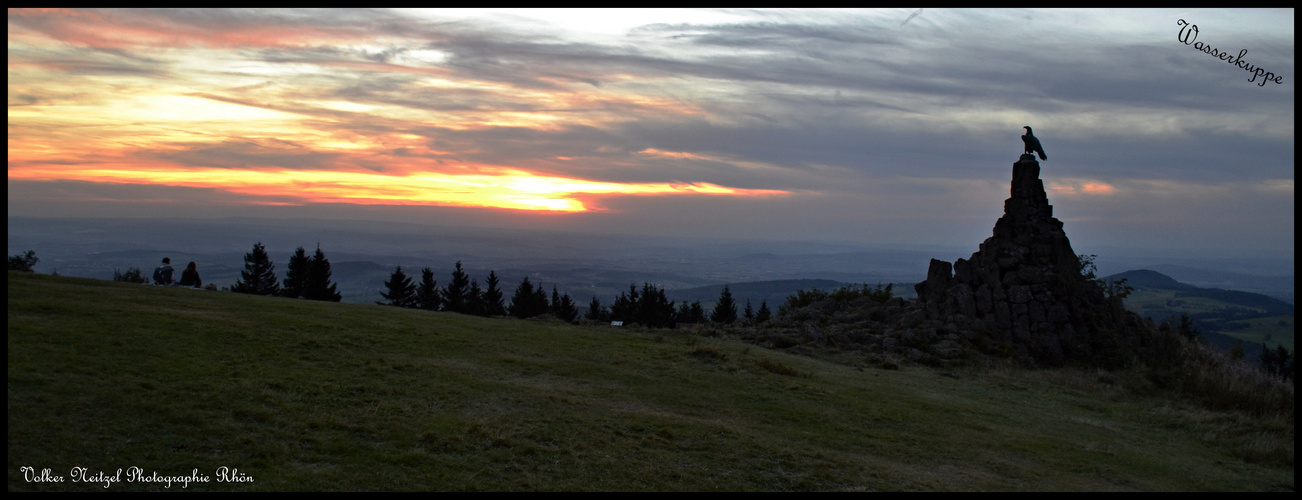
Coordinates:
(318, 285)
(525, 303)
(566, 310)
(296, 274)
(691, 313)
(750, 313)
(698, 312)
(654, 309)
(683, 314)
(493, 305)
(763, 314)
(427, 293)
(725, 312)
(401, 291)
(475, 300)
(540, 300)
(259, 274)
(456, 294)
(625, 306)
(595, 311)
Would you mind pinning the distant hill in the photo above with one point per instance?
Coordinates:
(1280, 286)
(1149, 279)
(1223, 316)
(1144, 278)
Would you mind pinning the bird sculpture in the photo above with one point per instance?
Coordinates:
(1033, 144)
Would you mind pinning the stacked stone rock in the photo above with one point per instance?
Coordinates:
(1023, 287)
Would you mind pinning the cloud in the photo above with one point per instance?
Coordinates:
(828, 106)
(250, 154)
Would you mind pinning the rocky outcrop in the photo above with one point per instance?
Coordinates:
(1023, 288)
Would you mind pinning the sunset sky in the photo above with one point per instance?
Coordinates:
(894, 126)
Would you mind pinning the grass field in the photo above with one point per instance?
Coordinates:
(302, 395)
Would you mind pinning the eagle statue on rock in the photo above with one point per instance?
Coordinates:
(1032, 144)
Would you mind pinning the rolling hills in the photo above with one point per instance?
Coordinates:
(1223, 316)
(301, 395)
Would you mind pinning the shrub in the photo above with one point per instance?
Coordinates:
(133, 275)
(803, 298)
(23, 262)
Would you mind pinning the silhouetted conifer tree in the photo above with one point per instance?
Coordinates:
(625, 306)
(493, 304)
(725, 311)
(520, 301)
(318, 285)
(690, 313)
(529, 301)
(683, 313)
(475, 300)
(750, 313)
(540, 300)
(401, 291)
(763, 314)
(296, 274)
(567, 311)
(259, 274)
(525, 304)
(427, 293)
(654, 309)
(648, 307)
(456, 296)
(596, 312)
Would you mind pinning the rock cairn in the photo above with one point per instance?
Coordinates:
(1024, 286)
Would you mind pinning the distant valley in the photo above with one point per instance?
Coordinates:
(363, 254)
(1222, 316)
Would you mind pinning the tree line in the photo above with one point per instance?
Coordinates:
(306, 277)
(649, 307)
(310, 278)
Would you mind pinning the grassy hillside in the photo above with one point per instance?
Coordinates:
(305, 395)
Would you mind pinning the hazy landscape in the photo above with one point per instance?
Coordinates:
(585, 265)
(364, 253)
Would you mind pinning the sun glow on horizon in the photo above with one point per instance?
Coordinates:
(506, 188)
(264, 106)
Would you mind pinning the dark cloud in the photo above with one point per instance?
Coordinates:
(251, 153)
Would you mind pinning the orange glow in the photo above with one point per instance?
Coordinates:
(670, 154)
(336, 113)
(1097, 188)
(512, 189)
(1082, 188)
